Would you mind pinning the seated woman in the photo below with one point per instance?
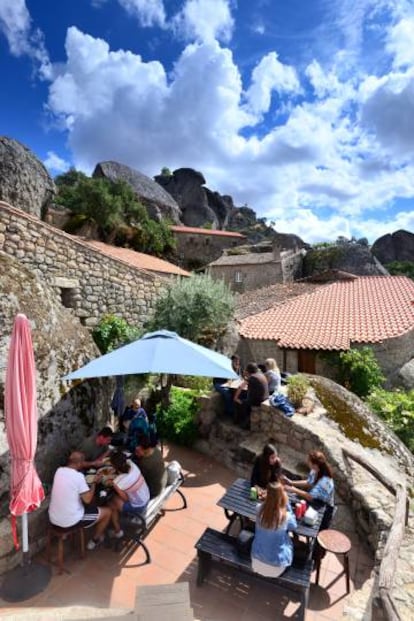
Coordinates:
(131, 491)
(267, 468)
(318, 486)
(274, 379)
(272, 548)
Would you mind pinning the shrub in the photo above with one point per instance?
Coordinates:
(201, 385)
(198, 308)
(396, 408)
(113, 331)
(298, 386)
(401, 268)
(359, 371)
(176, 422)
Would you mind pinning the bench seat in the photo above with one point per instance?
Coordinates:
(137, 526)
(215, 546)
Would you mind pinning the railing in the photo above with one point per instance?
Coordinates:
(395, 537)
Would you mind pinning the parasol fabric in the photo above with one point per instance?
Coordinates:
(26, 490)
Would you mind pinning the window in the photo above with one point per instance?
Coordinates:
(67, 297)
(238, 277)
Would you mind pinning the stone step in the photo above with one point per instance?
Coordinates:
(69, 613)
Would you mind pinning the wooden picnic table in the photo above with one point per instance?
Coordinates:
(238, 505)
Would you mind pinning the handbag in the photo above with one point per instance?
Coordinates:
(244, 543)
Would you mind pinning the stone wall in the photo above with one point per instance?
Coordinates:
(247, 276)
(197, 249)
(371, 505)
(89, 282)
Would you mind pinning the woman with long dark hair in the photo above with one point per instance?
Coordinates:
(319, 486)
(267, 467)
(272, 548)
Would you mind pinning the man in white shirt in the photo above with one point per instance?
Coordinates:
(71, 501)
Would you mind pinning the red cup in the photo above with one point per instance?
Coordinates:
(298, 510)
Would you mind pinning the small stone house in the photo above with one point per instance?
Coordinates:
(369, 310)
(196, 247)
(254, 270)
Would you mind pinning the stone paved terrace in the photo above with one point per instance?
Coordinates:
(105, 580)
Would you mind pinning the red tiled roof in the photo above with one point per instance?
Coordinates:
(369, 309)
(196, 231)
(138, 259)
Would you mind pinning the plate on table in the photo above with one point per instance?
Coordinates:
(90, 477)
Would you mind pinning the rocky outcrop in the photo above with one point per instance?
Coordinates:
(24, 181)
(65, 414)
(397, 246)
(159, 203)
(201, 206)
(351, 257)
(186, 186)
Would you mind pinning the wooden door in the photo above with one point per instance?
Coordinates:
(306, 361)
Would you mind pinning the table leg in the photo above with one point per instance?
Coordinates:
(346, 567)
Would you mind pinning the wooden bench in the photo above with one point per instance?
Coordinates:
(137, 526)
(214, 546)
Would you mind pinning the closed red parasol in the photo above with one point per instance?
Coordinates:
(26, 490)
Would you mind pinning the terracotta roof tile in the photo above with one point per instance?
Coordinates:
(369, 309)
(138, 260)
(197, 231)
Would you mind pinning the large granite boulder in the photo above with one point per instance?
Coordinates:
(397, 246)
(347, 256)
(186, 186)
(159, 203)
(24, 181)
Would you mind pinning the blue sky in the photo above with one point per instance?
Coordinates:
(304, 110)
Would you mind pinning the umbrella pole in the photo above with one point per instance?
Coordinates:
(25, 539)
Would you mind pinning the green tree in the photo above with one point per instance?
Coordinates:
(396, 407)
(401, 268)
(112, 332)
(166, 172)
(197, 308)
(113, 208)
(359, 371)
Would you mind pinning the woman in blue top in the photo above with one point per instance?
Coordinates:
(272, 548)
(318, 486)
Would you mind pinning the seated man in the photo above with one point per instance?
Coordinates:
(257, 392)
(71, 500)
(149, 460)
(221, 385)
(130, 412)
(95, 448)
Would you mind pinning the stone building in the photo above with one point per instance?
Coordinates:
(369, 310)
(92, 279)
(245, 272)
(197, 247)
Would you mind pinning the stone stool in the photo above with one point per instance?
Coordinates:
(333, 541)
(61, 534)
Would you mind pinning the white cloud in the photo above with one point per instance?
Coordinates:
(54, 163)
(400, 42)
(23, 39)
(270, 75)
(148, 12)
(204, 20)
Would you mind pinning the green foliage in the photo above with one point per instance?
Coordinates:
(319, 245)
(198, 308)
(201, 385)
(297, 387)
(166, 172)
(113, 331)
(401, 268)
(113, 207)
(397, 409)
(177, 421)
(359, 371)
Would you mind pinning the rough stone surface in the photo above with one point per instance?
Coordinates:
(406, 375)
(159, 203)
(397, 246)
(348, 257)
(66, 414)
(104, 285)
(186, 186)
(24, 181)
